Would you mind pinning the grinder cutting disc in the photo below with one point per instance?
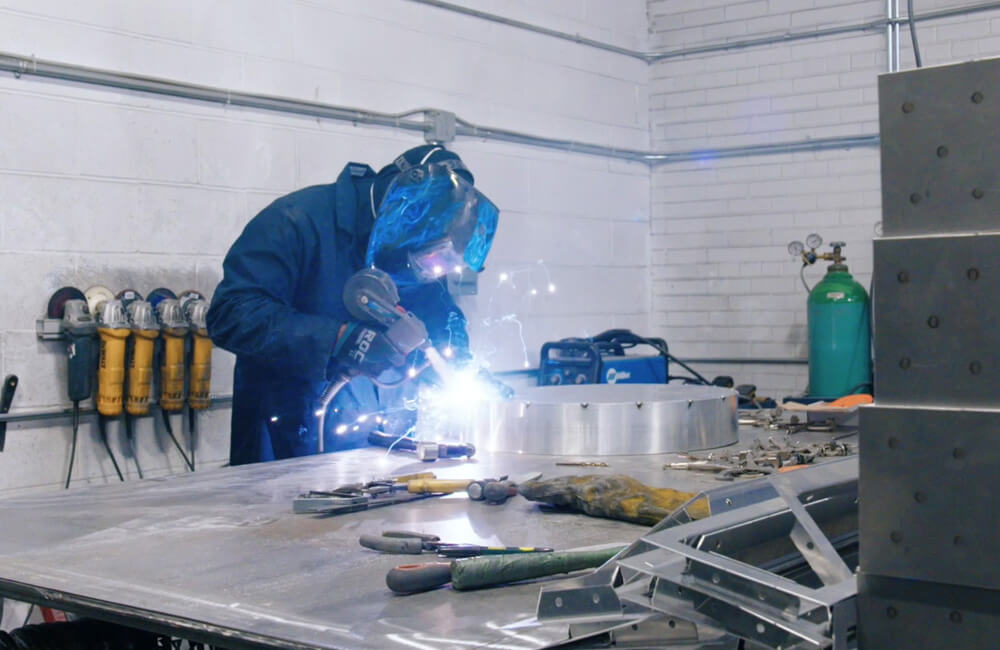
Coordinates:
(59, 299)
(96, 295)
(128, 296)
(157, 295)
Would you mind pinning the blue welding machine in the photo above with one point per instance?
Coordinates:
(603, 359)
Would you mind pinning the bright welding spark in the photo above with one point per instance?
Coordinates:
(411, 373)
(458, 269)
(504, 277)
(274, 418)
(534, 292)
(438, 269)
(356, 427)
(449, 352)
(318, 412)
(379, 419)
(527, 364)
(342, 429)
(552, 288)
(362, 418)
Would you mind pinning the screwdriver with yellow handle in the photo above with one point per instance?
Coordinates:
(174, 331)
(112, 330)
(195, 310)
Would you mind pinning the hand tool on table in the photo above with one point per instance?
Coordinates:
(371, 296)
(6, 397)
(612, 496)
(425, 450)
(145, 330)
(69, 306)
(496, 491)
(375, 494)
(409, 543)
(490, 571)
(112, 331)
(195, 310)
(174, 330)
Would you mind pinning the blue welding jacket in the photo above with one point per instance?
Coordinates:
(279, 308)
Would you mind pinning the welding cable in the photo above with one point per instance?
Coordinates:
(913, 32)
(170, 432)
(192, 433)
(102, 428)
(72, 451)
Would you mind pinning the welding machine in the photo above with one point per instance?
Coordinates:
(602, 359)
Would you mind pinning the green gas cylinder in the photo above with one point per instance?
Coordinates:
(840, 360)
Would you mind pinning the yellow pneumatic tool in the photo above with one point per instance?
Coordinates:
(174, 330)
(195, 309)
(113, 330)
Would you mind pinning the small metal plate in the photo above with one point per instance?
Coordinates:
(593, 419)
(937, 320)
(928, 490)
(941, 149)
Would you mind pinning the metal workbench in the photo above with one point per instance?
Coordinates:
(219, 557)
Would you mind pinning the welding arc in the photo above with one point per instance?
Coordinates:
(170, 432)
(102, 428)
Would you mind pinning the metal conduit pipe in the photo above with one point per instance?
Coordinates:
(753, 361)
(218, 401)
(653, 57)
(21, 66)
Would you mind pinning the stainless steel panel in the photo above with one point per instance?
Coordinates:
(928, 495)
(937, 320)
(911, 614)
(941, 149)
(596, 419)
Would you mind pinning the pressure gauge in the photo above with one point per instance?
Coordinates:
(814, 241)
(795, 248)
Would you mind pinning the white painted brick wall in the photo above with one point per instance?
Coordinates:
(723, 284)
(127, 190)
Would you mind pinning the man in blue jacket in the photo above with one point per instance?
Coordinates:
(279, 306)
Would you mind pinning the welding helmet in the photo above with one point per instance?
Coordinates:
(431, 221)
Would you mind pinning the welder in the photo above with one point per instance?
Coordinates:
(280, 308)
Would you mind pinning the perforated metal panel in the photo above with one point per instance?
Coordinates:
(941, 149)
(937, 320)
(928, 494)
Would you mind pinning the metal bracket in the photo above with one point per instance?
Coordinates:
(440, 126)
(49, 329)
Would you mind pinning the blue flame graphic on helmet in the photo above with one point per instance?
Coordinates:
(431, 222)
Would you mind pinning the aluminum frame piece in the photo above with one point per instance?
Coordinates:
(937, 320)
(771, 569)
(592, 420)
(928, 494)
(940, 149)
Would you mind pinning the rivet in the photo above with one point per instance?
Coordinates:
(638, 405)
(907, 107)
(584, 404)
(729, 501)
(977, 97)
(671, 623)
(957, 453)
(891, 612)
(903, 277)
(893, 442)
(716, 579)
(955, 617)
(972, 274)
(810, 545)
(958, 541)
(915, 198)
(975, 367)
(896, 537)
(933, 322)
(559, 601)
(904, 363)
(977, 193)
(596, 598)
(919, 497)
(760, 628)
(942, 151)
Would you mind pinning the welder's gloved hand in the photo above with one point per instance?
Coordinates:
(364, 349)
